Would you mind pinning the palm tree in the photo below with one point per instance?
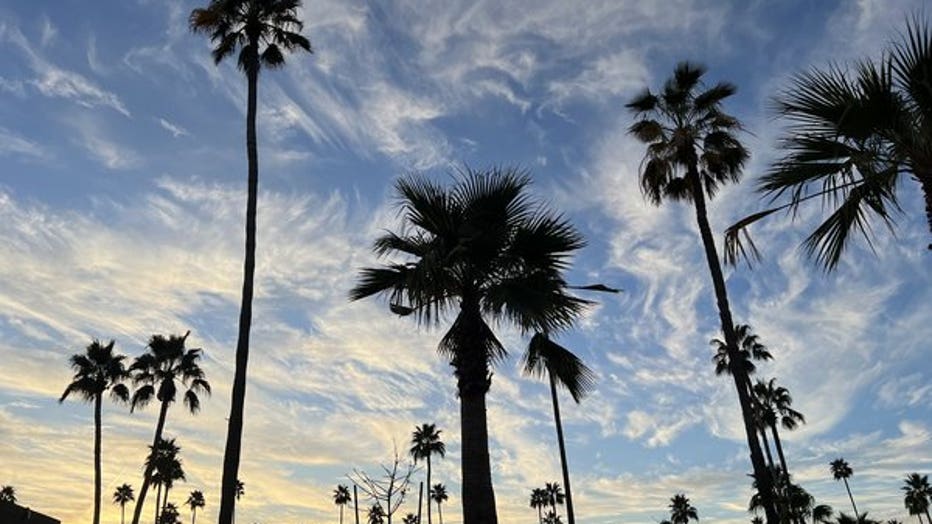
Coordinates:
(260, 30)
(376, 514)
(562, 367)
(681, 511)
(121, 496)
(166, 468)
(160, 371)
(97, 370)
(485, 250)
(775, 403)
(342, 497)
(842, 471)
(918, 495)
(169, 515)
(750, 349)
(539, 501)
(410, 518)
(691, 151)
(552, 518)
(851, 138)
(8, 494)
(847, 519)
(439, 495)
(195, 501)
(821, 514)
(425, 441)
(554, 494)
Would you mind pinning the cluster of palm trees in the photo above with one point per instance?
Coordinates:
(549, 496)
(165, 371)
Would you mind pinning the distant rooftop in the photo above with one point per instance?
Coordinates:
(11, 513)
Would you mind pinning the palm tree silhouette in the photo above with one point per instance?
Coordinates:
(850, 140)
(169, 515)
(918, 495)
(8, 494)
(775, 404)
(410, 518)
(842, 471)
(691, 151)
(247, 26)
(376, 514)
(438, 493)
(342, 497)
(164, 367)
(552, 518)
(485, 250)
(195, 501)
(166, 469)
(97, 370)
(539, 501)
(555, 495)
(239, 491)
(562, 367)
(681, 511)
(425, 441)
(121, 496)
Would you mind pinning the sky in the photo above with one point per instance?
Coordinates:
(122, 199)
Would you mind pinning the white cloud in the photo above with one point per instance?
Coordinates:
(174, 129)
(12, 143)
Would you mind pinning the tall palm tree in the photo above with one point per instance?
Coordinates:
(195, 501)
(438, 493)
(681, 511)
(260, 30)
(775, 403)
(852, 137)
(8, 494)
(842, 471)
(691, 151)
(918, 495)
(750, 349)
(161, 371)
(96, 371)
(539, 501)
(342, 497)
(121, 496)
(425, 441)
(485, 251)
(562, 367)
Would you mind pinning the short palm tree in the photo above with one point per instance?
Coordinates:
(410, 518)
(341, 497)
(96, 371)
(169, 515)
(195, 501)
(260, 30)
(552, 518)
(822, 514)
(484, 251)
(160, 372)
(692, 149)
(842, 471)
(563, 368)
(166, 469)
(438, 493)
(852, 137)
(681, 511)
(425, 442)
(8, 494)
(376, 514)
(121, 496)
(776, 405)
(539, 502)
(918, 495)
(554, 494)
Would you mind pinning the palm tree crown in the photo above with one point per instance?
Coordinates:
(681, 511)
(96, 371)
(750, 349)
(840, 469)
(918, 495)
(164, 365)
(123, 494)
(8, 494)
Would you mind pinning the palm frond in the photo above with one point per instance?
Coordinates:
(543, 355)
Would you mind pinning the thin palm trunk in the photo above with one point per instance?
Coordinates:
(231, 455)
(98, 399)
(570, 516)
(440, 512)
(779, 445)
(540, 515)
(766, 446)
(341, 513)
(158, 503)
(739, 373)
(165, 499)
(122, 513)
(147, 476)
(928, 517)
(356, 502)
(193, 515)
(420, 497)
(428, 491)
(856, 514)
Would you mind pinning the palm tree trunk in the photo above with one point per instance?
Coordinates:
(856, 514)
(570, 515)
(147, 476)
(356, 502)
(540, 515)
(158, 503)
(440, 513)
(766, 446)
(231, 454)
(428, 490)
(165, 498)
(97, 455)
(122, 513)
(193, 515)
(776, 441)
(341, 513)
(739, 374)
(928, 518)
(420, 498)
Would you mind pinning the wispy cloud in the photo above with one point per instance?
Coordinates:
(13, 143)
(174, 129)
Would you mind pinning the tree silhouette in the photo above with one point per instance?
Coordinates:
(484, 250)
(376, 514)
(169, 515)
(425, 441)
(195, 501)
(563, 368)
(842, 471)
(8, 494)
(166, 469)
(121, 496)
(341, 497)
(681, 511)
(438, 493)
(775, 405)
(691, 151)
(917, 495)
(410, 518)
(165, 366)
(96, 371)
(391, 488)
(851, 139)
(554, 495)
(539, 502)
(260, 30)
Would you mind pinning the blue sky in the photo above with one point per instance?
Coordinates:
(121, 210)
